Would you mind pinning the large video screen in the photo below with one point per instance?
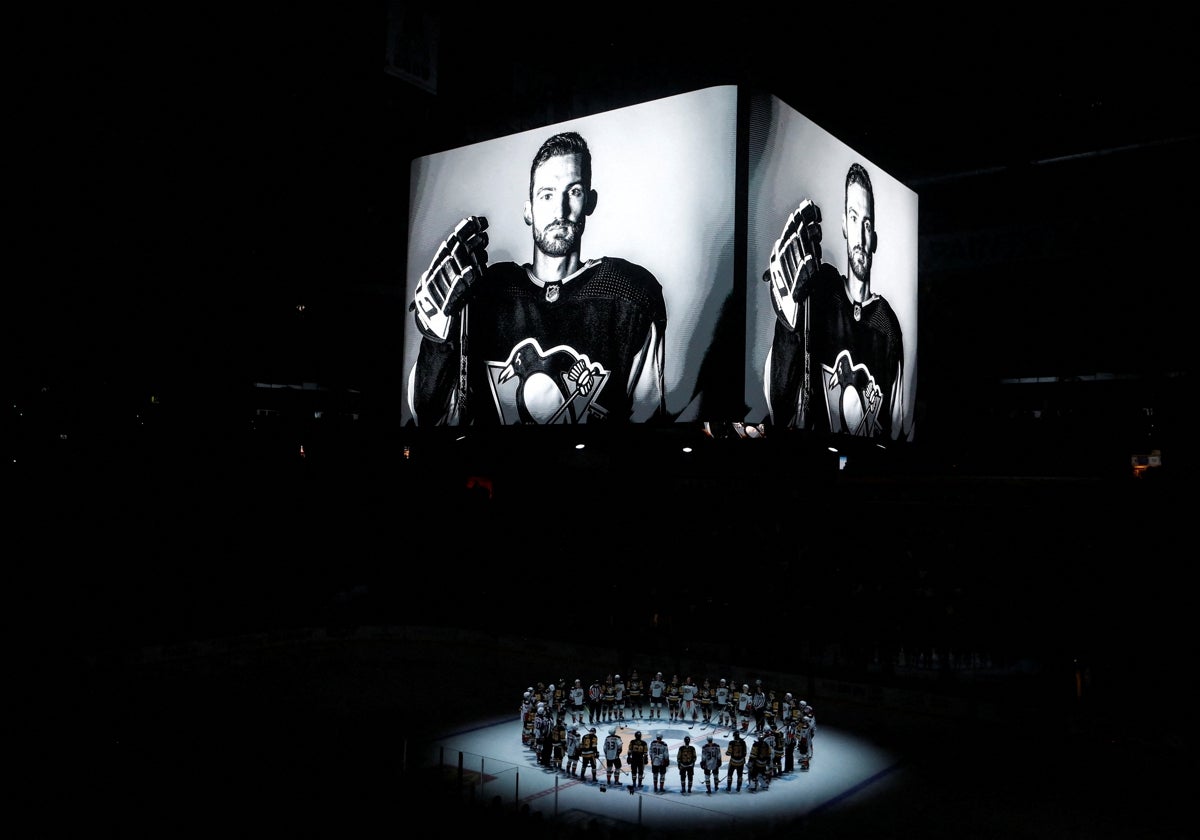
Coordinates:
(831, 283)
(548, 288)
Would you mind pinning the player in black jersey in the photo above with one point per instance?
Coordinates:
(836, 362)
(557, 340)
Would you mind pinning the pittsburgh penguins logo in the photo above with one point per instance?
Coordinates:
(852, 399)
(548, 387)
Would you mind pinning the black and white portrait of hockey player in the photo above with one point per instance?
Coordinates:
(834, 243)
(559, 339)
(545, 287)
(837, 360)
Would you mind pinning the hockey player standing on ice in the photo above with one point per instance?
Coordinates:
(745, 709)
(689, 709)
(574, 743)
(737, 760)
(613, 747)
(608, 698)
(673, 698)
(771, 711)
(558, 699)
(635, 694)
(721, 703)
(658, 696)
(760, 762)
(660, 760)
(528, 712)
(804, 737)
(541, 734)
(578, 696)
(778, 745)
(589, 751)
(558, 743)
(639, 754)
(706, 702)
(618, 699)
(685, 760)
(710, 762)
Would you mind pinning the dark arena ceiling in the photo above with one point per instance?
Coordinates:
(216, 172)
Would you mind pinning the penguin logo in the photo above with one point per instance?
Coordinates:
(557, 386)
(852, 399)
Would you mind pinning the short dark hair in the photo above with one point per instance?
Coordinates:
(566, 143)
(857, 174)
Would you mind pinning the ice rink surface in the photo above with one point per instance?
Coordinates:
(845, 770)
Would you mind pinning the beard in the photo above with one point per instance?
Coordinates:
(558, 238)
(860, 264)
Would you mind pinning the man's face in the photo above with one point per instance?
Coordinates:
(559, 205)
(860, 224)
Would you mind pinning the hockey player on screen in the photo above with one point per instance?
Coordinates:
(557, 340)
(836, 362)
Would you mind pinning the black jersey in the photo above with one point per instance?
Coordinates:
(855, 357)
(736, 752)
(553, 353)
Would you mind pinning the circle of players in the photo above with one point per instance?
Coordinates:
(558, 723)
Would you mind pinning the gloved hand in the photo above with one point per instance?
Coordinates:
(443, 289)
(795, 261)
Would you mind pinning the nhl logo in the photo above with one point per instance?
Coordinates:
(552, 291)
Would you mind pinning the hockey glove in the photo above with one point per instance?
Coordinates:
(443, 289)
(795, 260)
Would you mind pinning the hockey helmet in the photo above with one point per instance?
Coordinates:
(612, 730)
(745, 686)
(737, 735)
(658, 676)
(710, 739)
(526, 695)
(787, 696)
(658, 736)
(617, 677)
(722, 681)
(637, 734)
(592, 730)
(687, 739)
